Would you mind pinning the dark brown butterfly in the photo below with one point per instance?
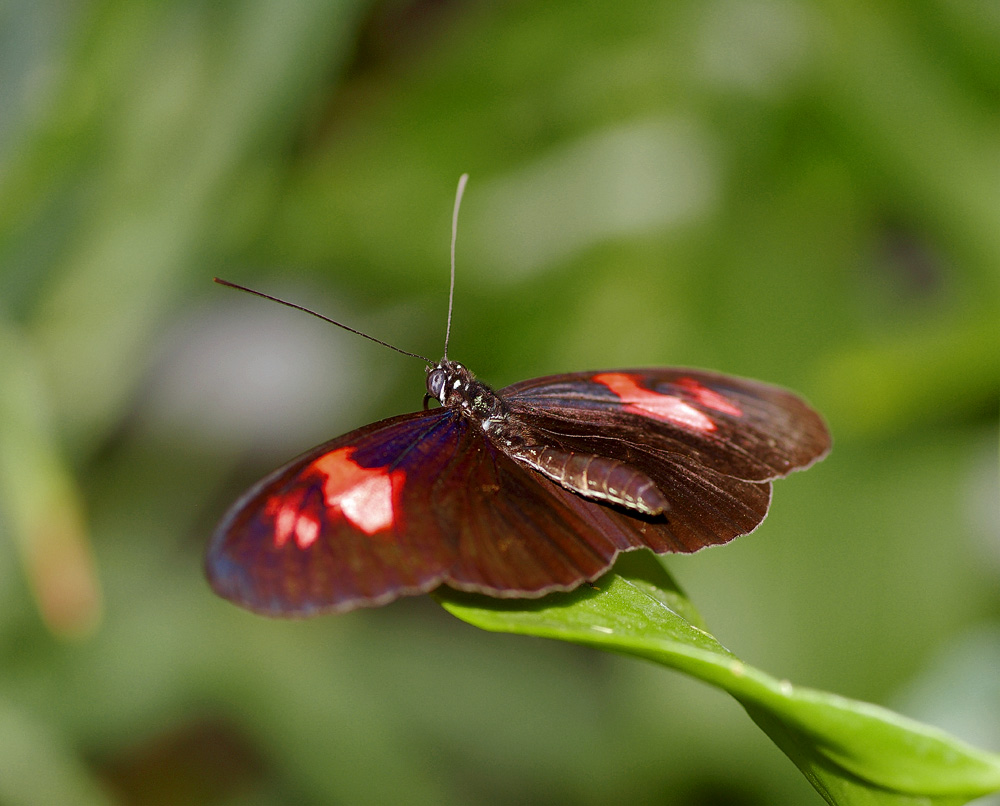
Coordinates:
(513, 493)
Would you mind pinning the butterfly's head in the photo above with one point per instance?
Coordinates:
(447, 379)
(454, 386)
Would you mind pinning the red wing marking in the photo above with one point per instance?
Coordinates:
(708, 398)
(366, 497)
(292, 521)
(653, 404)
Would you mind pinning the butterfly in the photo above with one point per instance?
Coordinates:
(516, 492)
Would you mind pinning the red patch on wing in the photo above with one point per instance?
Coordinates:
(708, 398)
(365, 497)
(292, 520)
(640, 400)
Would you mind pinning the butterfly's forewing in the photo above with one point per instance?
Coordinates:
(711, 443)
(738, 427)
(403, 505)
(340, 526)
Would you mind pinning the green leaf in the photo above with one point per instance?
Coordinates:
(852, 752)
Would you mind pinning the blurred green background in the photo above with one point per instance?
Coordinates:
(807, 193)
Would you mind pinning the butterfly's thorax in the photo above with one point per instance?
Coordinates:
(584, 473)
(455, 387)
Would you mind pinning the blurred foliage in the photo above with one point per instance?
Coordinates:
(808, 193)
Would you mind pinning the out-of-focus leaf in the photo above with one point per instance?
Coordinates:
(39, 768)
(39, 499)
(926, 373)
(181, 114)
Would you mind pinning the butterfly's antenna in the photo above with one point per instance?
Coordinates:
(320, 316)
(454, 236)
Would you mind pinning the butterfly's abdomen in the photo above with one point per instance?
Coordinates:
(595, 477)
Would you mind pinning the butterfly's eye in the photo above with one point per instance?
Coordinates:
(436, 379)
